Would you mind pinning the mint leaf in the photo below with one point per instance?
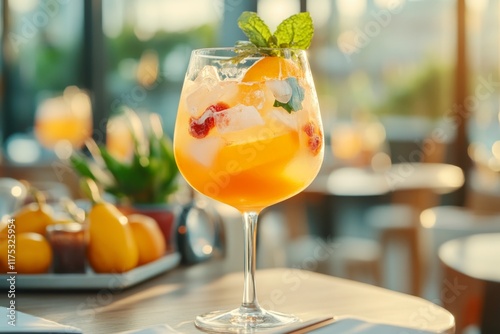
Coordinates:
(256, 30)
(295, 102)
(285, 106)
(295, 32)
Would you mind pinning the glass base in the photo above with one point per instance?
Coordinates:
(242, 320)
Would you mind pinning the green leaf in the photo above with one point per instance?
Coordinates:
(295, 32)
(285, 106)
(256, 30)
(125, 176)
(295, 102)
(81, 166)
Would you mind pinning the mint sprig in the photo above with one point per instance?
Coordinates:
(253, 26)
(295, 32)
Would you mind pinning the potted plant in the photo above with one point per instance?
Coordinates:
(142, 183)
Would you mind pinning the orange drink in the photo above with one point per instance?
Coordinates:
(64, 118)
(251, 154)
(248, 133)
(50, 131)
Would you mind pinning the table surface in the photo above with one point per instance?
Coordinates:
(475, 256)
(176, 297)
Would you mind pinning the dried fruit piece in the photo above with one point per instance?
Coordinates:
(314, 143)
(309, 128)
(315, 140)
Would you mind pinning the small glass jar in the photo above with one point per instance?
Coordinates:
(69, 246)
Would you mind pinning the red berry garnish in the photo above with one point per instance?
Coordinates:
(314, 143)
(309, 128)
(315, 140)
(219, 106)
(200, 127)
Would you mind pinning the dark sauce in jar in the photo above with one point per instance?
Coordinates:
(69, 246)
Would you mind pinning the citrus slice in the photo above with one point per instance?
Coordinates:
(269, 68)
(259, 150)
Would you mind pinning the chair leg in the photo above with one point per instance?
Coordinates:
(490, 322)
(409, 235)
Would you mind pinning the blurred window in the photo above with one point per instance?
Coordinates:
(42, 46)
(148, 45)
(51, 55)
(484, 52)
(389, 61)
(386, 61)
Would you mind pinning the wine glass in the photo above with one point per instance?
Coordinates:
(249, 134)
(65, 119)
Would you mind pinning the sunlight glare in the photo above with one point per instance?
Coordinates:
(16, 191)
(495, 149)
(428, 218)
(477, 6)
(320, 11)
(147, 70)
(275, 11)
(23, 150)
(23, 6)
(388, 4)
(351, 8)
(187, 14)
(451, 177)
(207, 249)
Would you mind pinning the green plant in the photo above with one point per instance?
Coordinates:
(150, 175)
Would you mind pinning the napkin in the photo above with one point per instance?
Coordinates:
(160, 329)
(25, 323)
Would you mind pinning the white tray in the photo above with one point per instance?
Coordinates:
(92, 280)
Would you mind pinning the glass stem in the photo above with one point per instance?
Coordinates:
(250, 303)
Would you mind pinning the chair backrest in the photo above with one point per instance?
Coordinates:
(443, 223)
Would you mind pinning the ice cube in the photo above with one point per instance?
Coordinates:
(229, 91)
(203, 96)
(280, 119)
(208, 76)
(281, 90)
(237, 118)
(255, 97)
(204, 150)
(201, 93)
(230, 72)
(198, 100)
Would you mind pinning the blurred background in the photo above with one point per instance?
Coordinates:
(409, 95)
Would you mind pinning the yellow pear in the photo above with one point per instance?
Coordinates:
(111, 248)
